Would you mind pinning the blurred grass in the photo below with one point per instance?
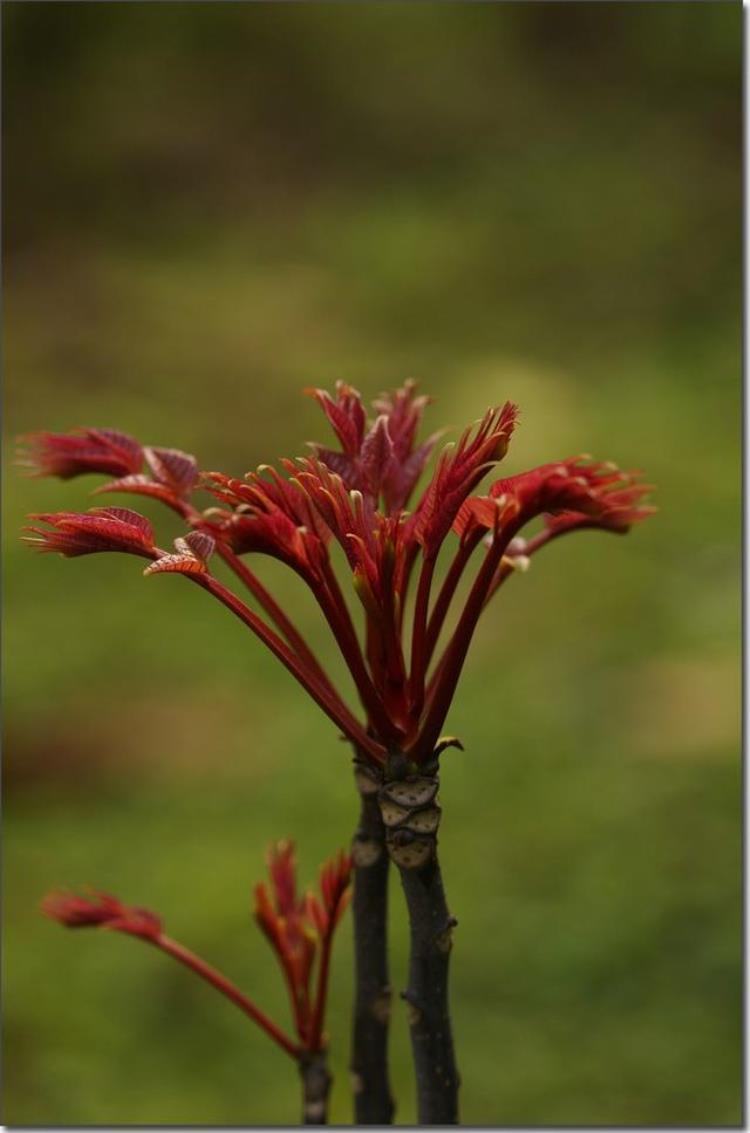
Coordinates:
(211, 207)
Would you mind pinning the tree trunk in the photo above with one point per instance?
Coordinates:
(411, 814)
(373, 1101)
(316, 1086)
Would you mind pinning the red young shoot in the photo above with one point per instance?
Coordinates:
(104, 911)
(300, 930)
(357, 496)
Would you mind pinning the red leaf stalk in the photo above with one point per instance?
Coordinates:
(108, 912)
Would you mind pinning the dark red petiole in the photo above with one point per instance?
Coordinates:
(212, 976)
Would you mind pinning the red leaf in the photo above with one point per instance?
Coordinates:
(176, 564)
(84, 450)
(404, 410)
(139, 485)
(178, 470)
(100, 529)
(459, 470)
(282, 868)
(128, 516)
(200, 544)
(376, 456)
(401, 479)
(346, 415)
(339, 463)
(598, 493)
(101, 910)
(189, 557)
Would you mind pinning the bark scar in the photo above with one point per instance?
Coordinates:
(381, 1005)
(411, 815)
(444, 938)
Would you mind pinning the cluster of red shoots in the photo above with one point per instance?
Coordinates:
(300, 929)
(357, 496)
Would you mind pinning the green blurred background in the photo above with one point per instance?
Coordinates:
(209, 207)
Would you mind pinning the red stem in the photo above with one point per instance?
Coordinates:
(395, 686)
(323, 696)
(336, 613)
(403, 579)
(298, 1014)
(432, 684)
(419, 630)
(256, 588)
(321, 993)
(222, 984)
(455, 654)
(274, 611)
(447, 590)
(532, 545)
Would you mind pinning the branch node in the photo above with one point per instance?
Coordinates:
(365, 852)
(413, 1008)
(366, 779)
(381, 1005)
(444, 938)
(410, 851)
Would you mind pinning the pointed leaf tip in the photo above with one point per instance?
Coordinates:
(200, 544)
(445, 742)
